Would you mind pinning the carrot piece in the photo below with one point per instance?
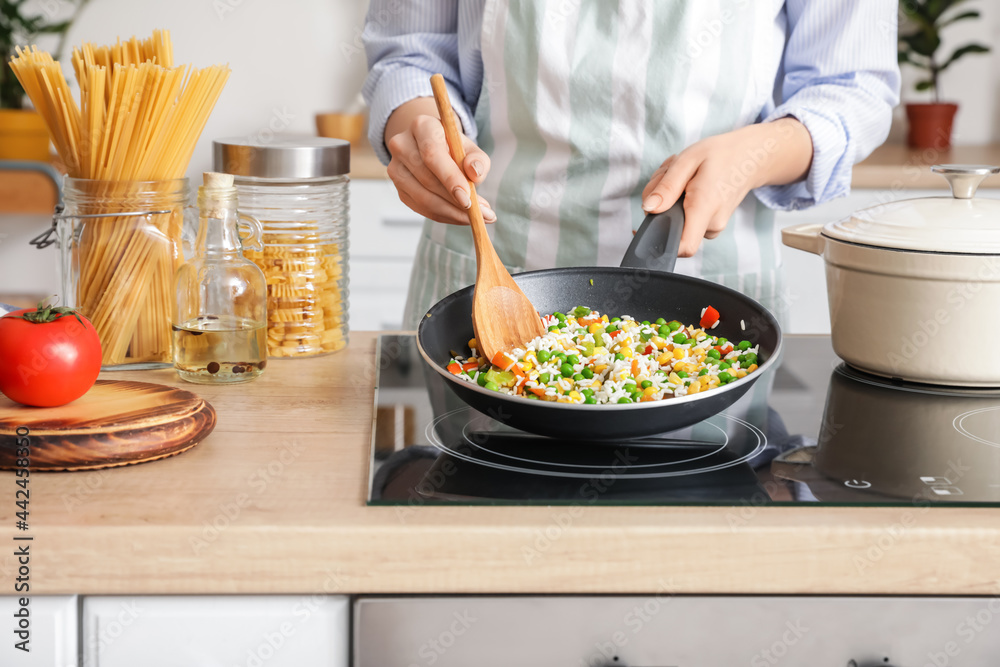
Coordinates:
(455, 368)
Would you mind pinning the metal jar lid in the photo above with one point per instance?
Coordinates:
(285, 158)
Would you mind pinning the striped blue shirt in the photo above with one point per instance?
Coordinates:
(837, 74)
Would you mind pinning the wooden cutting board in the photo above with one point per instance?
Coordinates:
(114, 424)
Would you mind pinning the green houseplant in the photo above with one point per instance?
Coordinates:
(23, 135)
(930, 124)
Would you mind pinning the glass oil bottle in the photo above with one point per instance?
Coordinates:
(220, 311)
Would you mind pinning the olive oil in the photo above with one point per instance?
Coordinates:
(210, 350)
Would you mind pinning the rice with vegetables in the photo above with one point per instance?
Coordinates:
(589, 358)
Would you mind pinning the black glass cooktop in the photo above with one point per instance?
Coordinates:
(813, 431)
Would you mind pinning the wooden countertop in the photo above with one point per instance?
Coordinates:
(274, 501)
(897, 167)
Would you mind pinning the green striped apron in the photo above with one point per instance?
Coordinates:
(581, 101)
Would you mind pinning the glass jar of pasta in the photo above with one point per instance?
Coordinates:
(121, 242)
(298, 189)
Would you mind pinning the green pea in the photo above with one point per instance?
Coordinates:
(703, 371)
(481, 380)
(680, 339)
(619, 356)
(590, 400)
(744, 345)
(616, 319)
(675, 325)
(681, 374)
(531, 397)
(588, 372)
(611, 328)
(543, 356)
(715, 354)
(722, 341)
(725, 365)
(572, 360)
(751, 358)
(559, 316)
(492, 386)
(664, 330)
(587, 392)
(645, 323)
(544, 378)
(625, 399)
(560, 355)
(566, 370)
(578, 377)
(554, 327)
(725, 378)
(660, 320)
(646, 384)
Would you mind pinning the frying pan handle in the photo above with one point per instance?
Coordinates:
(655, 245)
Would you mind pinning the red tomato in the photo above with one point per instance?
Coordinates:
(49, 362)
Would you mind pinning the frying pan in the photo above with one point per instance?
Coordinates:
(644, 288)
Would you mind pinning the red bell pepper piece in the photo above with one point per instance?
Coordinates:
(709, 317)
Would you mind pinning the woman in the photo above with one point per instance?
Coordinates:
(581, 116)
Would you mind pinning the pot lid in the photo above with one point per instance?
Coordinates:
(960, 224)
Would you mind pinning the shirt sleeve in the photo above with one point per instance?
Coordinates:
(407, 41)
(841, 80)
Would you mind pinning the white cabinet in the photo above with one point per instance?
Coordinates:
(384, 235)
(52, 629)
(216, 631)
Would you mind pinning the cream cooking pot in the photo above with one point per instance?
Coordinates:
(914, 285)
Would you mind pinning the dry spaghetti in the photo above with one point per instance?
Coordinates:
(130, 138)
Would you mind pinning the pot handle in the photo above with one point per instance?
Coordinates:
(806, 237)
(655, 244)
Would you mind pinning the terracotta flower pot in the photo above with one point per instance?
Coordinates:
(23, 136)
(930, 125)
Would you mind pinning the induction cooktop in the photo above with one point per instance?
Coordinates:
(813, 430)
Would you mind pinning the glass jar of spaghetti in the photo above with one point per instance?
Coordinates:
(121, 243)
(298, 189)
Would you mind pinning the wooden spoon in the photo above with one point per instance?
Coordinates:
(502, 316)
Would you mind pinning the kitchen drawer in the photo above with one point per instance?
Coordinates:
(381, 225)
(378, 293)
(216, 631)
(53, 628)
(681, 631)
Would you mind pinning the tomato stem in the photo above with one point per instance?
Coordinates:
(47, 312)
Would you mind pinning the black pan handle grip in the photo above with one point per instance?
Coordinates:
(655, 245)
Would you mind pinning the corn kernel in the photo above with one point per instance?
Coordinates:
(700, 353)
(674, 378)
(664, 359)
(752, 368)
(694, 388)
(599, 350)
(741, 373)
(646, 399)
(594, 328)
(604, 318)
(684, 366)
(575, 395)
(627, 351)
(713, 381)
(679, 354)
(600, 368)
(703, 380)
(649, 391)
(473, 344)
(658, 342)
(526, 365)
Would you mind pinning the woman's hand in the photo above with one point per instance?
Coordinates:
(717, 173)
(425, 175)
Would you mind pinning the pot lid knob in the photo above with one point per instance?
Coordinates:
(964, 178)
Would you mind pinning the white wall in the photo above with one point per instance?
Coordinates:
(290, 60)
